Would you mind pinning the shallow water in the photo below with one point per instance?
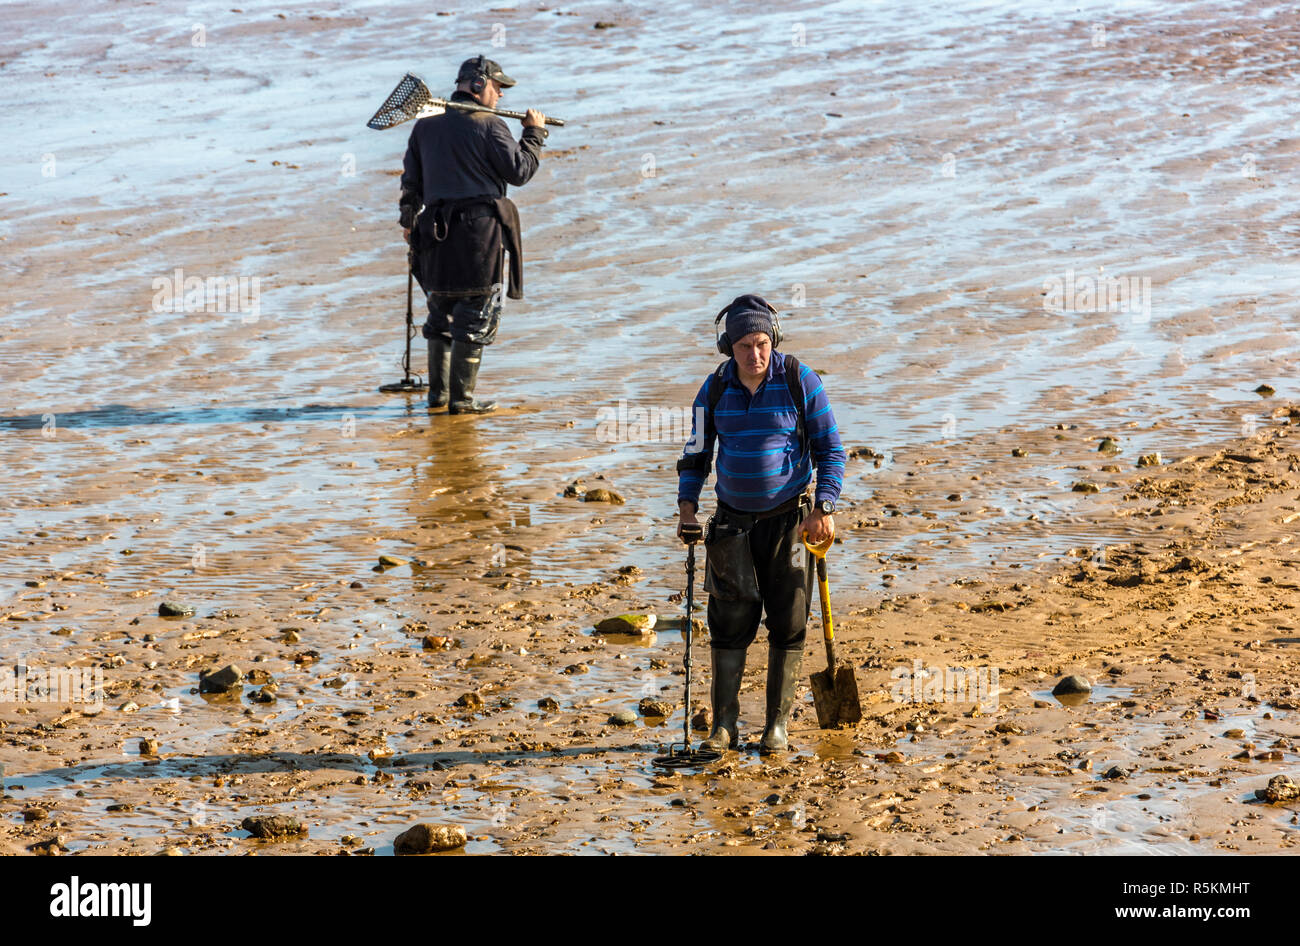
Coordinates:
(975, 153)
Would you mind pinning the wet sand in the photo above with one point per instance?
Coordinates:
(248, 467)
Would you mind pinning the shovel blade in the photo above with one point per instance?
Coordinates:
(835, 696)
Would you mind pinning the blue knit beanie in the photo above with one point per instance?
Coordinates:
(748, 314)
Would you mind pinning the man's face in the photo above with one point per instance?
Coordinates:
(492, 93)
(753, 352)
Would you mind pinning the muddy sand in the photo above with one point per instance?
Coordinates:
(240, 461)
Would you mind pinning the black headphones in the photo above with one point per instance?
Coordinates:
(724, 343)
(479, 82)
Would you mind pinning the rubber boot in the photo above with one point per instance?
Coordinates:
(728, 669)
(439, 371)
(783, 668)
(465, 359)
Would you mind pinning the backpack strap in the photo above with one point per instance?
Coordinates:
(701, 461)
(716, 388)
(795, 385)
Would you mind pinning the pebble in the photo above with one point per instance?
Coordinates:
(52, 845)
(174, 609)
(1083, 486)
(571, 669)
(702, 721)
(429, 838)
(471, 701)
(273, 826)
(548, 705)
(391, 561)
(1280, 789)
(603, 496)
(221, 681)
(627, 624)
(148, 747)
(1115, 772)
(1108, 445)
(436, 642)
(35, 813)
(1149, 459)
(653, 707)
(624, 717)
(1072, 684)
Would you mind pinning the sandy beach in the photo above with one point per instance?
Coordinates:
(1003, 236)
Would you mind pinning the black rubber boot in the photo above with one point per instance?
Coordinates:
(465, 359)
(439, 371)
(728, 669)
(783, 668)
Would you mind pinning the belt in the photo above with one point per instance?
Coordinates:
(790, 505)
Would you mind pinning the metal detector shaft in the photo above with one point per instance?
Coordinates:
(407, 385)
(690, 606)
(410, 324)
(685, 756)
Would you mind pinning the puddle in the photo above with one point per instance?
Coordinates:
(1099, 695)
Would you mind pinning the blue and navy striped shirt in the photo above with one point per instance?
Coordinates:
(759, 462)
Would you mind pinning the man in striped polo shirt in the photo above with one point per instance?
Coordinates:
(755, 561)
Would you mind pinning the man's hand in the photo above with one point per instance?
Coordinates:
(819, 528)
(406, 234)
(534, 119)
(688, 529)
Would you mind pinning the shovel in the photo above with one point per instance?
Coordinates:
(835, 689)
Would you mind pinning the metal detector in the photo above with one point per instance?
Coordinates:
(680, 754)
(407, 385)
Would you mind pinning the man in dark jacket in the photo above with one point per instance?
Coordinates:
(755, 561)
(457, 167)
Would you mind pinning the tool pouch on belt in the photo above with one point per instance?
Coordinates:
(728, 563)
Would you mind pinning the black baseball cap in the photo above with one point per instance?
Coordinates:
(482, 66)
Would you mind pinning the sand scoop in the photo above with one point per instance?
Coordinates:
(412, 99)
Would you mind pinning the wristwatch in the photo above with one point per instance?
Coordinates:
(826, 506)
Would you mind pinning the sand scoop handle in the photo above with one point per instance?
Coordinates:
(412, 99)
(824, 591)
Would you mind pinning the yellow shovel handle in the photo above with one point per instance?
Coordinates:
(824, 588)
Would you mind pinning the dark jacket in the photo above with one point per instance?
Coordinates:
(458, 166)
(457, 248)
